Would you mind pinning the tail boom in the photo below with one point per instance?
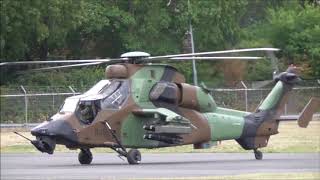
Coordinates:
(260, 125)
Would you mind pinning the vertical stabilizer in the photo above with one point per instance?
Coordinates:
(261, 124)
(279, 94)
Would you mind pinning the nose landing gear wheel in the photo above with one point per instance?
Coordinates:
(85, 156)
(258, 154)
(134, 156)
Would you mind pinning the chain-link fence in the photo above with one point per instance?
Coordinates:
(249, 99)
(32, 104)
(35, 104)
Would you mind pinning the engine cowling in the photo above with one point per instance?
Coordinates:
(116, 71)
(183, 95)
(167, 92)
(194, 97)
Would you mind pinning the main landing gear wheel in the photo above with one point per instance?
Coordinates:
(85, 156)
(134, 156)
(258, 154)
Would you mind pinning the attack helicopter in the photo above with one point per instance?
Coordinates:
(143, 104)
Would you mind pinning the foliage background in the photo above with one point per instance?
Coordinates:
(78, 29)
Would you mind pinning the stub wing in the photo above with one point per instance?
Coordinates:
(306, 114)
(168, 121)
(169, 115)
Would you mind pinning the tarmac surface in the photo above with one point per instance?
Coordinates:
(109, 166)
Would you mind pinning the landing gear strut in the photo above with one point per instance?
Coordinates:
(258, 154)
(133, 156)
(85, 156)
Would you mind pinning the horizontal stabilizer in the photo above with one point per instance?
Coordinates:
(306, 114)
(288, 118)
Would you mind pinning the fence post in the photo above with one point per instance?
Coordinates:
(53, 102)
(285, 109)
(72, 90)
(25, 104)
(246, 94)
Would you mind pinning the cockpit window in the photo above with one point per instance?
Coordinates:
(69, 105)
(115, 95)
(109, 95)
(87, 111)
(97, 88)
(107, 90)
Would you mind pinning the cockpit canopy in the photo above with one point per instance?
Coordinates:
(105, 94)
(110, 94)
(114, 95)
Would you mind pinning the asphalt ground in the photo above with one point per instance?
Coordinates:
(109, 166)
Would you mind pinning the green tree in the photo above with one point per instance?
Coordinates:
(216, 27)
(36, 28)
(154, 27)
(297, 32)
(73, 29)
(295, 29)
(217, 23)
(99, 33)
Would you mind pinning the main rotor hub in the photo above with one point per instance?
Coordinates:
(135, 55)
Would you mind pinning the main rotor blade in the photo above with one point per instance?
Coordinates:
(68, 66)
(85, 62)
(212, 52)
(216, 58)
(61, 61)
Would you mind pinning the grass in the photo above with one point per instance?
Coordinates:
(291, 139)
(257, 176)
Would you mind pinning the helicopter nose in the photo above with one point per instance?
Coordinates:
(58, 129)
(40, 129)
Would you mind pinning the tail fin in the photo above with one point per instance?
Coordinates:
(279, 94)
(263, 122)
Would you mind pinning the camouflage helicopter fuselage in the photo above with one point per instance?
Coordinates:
(151, 106)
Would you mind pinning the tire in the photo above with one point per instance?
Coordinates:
(134, 156)
(258, 155)
(85, 156)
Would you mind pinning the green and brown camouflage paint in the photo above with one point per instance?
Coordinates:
(161, 86)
